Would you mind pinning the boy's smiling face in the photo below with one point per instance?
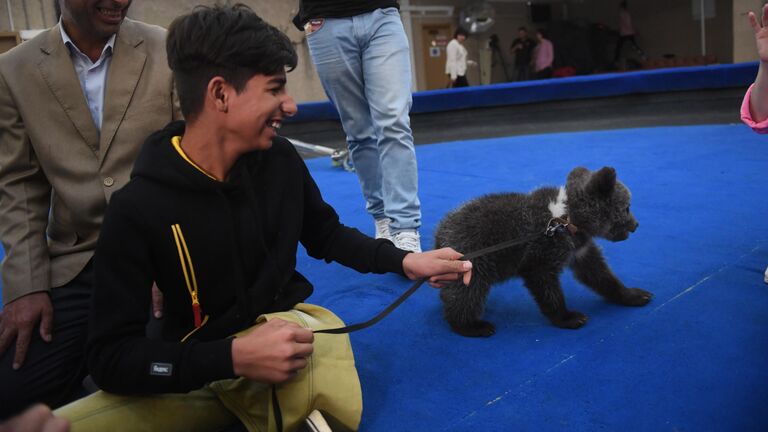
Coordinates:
(257, 112)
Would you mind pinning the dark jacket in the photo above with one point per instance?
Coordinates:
(312, 9)
(234, 241)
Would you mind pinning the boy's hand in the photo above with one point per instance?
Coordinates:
(439, 265)
(38, 418)
(273, 352)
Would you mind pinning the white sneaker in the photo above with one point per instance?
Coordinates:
(409, 240)
(382, 228)
(314, 423)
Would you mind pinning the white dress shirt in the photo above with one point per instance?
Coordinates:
(456, 63)
(92, 76)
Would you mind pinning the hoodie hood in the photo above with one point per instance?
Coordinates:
(159, 162)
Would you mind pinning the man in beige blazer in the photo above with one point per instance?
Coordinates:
(76, 103)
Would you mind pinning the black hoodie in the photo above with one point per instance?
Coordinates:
(232, 244)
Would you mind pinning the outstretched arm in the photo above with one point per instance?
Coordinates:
(758, 99)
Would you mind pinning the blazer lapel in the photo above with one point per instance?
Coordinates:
(59, 74)
(125, 70)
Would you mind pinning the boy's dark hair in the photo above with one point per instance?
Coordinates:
(227, 41)
(460, 31)
(522, 29)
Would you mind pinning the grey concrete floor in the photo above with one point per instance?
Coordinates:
(716, 106)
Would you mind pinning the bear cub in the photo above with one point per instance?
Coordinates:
(595, 204)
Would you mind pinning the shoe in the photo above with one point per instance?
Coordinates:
(765, 276)
(382, 228)
(314, 423)
(409, 240)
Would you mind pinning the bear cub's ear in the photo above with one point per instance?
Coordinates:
(602, 182)
(577, 177)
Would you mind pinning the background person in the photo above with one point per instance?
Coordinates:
(543, 56)
(76, 103)
(754, 108)
(361, 53)
(456, 61)
(626, 33)
(522, 47)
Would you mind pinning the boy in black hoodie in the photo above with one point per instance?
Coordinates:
(213, 214)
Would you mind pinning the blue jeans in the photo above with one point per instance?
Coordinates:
(364, 66)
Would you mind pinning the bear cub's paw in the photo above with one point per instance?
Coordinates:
(477, 328)
(570, 320)
(634, 297)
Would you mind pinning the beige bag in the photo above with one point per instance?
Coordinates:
(329, 383)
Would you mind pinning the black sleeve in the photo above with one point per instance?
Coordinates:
(121, 359)
(325, 237)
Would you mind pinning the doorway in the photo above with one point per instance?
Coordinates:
(434, 39)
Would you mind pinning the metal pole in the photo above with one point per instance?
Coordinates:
(10, 14)
(26, 14)
(703, 29)
(42, 14)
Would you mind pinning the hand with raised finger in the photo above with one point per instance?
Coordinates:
(272, 352)
(761, 32)
(19, 320)
(438, 265)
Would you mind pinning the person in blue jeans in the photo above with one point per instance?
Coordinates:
(361, 53)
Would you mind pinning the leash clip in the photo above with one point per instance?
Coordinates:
(555, 225)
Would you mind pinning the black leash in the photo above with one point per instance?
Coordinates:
(555, 225)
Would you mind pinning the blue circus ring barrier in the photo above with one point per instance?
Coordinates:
(554, 89)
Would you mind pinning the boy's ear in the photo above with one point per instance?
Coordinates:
(602, 182)
(217, 93)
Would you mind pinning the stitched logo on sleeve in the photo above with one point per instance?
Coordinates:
(161, 369)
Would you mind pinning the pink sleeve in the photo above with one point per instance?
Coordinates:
(746, 116)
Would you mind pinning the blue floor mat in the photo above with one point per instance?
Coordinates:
(691, 360)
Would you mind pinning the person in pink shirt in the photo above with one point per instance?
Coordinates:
(754, 108)
(543, 56)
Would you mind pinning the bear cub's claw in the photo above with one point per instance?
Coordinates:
(635, 297)
(570, 320)
(478, 328)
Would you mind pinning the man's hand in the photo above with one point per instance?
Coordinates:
(439, 265)
(273, 352)
(38, 418)
(19, 319)
(761, 33)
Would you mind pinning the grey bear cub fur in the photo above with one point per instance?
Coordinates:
(594, 202)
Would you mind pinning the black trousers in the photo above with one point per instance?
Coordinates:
(52, 372)
(544, 73)
(460, 81)
(522, 72)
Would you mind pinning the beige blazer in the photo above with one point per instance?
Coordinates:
(56, 171)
